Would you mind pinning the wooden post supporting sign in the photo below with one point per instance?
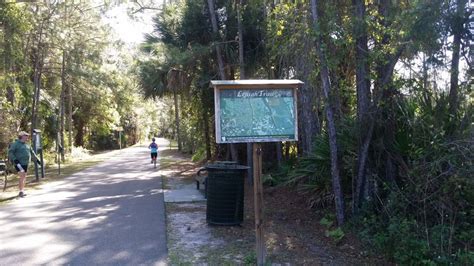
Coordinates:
(258, 202)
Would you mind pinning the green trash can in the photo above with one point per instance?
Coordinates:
(225, 194)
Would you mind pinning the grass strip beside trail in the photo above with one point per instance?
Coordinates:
(51, 174)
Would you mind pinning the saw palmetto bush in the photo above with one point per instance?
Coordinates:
(427, 214)
(312, 173)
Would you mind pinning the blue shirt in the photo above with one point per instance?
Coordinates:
(153, 147)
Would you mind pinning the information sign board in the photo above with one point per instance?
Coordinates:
(261, 112)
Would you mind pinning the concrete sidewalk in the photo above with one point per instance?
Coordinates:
(184, 193)
(109, 214)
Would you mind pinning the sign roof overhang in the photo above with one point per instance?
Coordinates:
(256, 83)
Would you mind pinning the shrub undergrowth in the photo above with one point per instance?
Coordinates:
(425, 215)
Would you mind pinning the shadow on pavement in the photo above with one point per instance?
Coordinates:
(110, 214)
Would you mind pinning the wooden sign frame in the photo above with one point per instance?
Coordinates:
(267, 85)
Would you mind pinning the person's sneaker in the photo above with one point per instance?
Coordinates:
(21, 194)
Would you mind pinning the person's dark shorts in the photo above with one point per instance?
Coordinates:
(25, 167)
(154, 155)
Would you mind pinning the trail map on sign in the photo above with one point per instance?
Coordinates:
(257, 114)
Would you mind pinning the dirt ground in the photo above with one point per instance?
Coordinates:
(293, 232)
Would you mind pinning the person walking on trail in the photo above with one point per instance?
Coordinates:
(19, 155)
(154, 150)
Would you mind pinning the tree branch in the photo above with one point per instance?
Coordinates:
(142, 7)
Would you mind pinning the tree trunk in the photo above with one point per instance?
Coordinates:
(37, 84)
(234, 153)
(426, 87)
(62, 101)
(36, 97)
(363, 96)
(62, 125)
(336, 93)
(242, 76)
(324, 72)
(215, 30)
(10, 93)
(241, 41)
(207, 137)
(186, 144)
(303, 98)
(457, 28)
(177, 121)
(279, 154)
(79, 139)
(70, 128)
(37, 69)
(382, 94)
(62, 105)
(307, 121)
(287, 151)
(220, 62)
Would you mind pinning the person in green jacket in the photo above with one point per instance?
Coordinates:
(19, 154)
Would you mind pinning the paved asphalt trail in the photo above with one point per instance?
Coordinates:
(109, 214)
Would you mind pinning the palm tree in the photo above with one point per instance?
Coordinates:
(158, 80)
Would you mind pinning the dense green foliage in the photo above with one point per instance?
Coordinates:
(63, 73)
(417, 194)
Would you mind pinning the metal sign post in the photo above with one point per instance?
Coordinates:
(41, 157)
(59, 149)
(120, 129)
(35, 149)
(38, 149)
(255, 111)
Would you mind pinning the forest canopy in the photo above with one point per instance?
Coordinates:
(385, 143)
